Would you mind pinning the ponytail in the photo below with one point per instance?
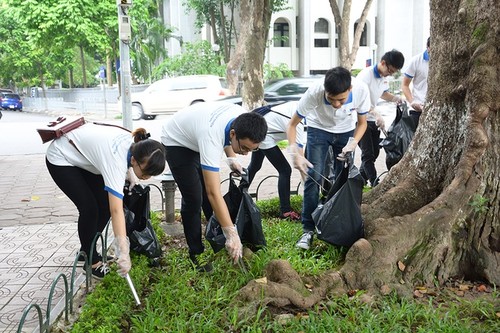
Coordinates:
(140, 134)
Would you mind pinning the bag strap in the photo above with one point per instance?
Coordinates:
(112, 125)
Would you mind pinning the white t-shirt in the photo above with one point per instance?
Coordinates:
(277, 123)
(418, 71)
(320, 114)
(102, 150)
(376, 83)
(203, 128)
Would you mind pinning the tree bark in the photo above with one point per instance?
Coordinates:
(436, 215)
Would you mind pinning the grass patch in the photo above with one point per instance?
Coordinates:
(175, 298)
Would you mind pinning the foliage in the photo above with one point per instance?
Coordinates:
(148, 38)
(479, 204)
(175, 298)
(273, 72)
(197, 58)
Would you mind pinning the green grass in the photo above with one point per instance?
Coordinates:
(175, 298)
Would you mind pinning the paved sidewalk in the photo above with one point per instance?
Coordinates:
(38, 232)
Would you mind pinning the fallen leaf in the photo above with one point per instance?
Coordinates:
(482, 288)
(25, 200)
(460, 293)
(418, 294)
(261, 280)
(309, 286)
(35, 198)
(498, 314)
(401, 266)
(352, 292)
(464, 287)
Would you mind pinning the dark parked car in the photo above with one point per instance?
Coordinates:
(10, 101)
(283, 90)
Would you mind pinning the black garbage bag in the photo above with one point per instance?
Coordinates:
(140, 231)
(399, 136)
(246, 217)
(338, 221)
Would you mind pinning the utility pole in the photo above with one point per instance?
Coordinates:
(125, 35)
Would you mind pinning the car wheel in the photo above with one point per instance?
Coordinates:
(137, 111)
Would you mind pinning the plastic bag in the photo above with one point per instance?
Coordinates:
(339, 220)
(399, 136)
(140, 231)
(245, 215)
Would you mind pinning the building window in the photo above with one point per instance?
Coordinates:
(281, 35)
(321, 33)
(364, 35)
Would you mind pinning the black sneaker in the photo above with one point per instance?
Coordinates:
(98, 272)
(201, 267)
(99, 257)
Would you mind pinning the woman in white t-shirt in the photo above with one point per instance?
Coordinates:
(90, 165)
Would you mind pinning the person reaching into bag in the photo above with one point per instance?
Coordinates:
(90, 165)
(335, 111)
(194, 139)
(277, 118)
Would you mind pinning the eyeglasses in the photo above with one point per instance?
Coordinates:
(244, 149)
(391, 70)
(143, 174)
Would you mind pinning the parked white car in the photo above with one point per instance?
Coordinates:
(173, 94)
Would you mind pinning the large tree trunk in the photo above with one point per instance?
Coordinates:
(248, 58)
(255, 46)
(436, 215)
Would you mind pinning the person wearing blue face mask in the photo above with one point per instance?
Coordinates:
(417, 72)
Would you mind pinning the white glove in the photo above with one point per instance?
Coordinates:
(132, 178)
(234, 165)
(379, 121)
(397, 99)
(349, 148)
(233, 242)
(299, 161)
(122, 252)
(417, 106)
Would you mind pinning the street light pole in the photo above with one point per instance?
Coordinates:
(125, 34)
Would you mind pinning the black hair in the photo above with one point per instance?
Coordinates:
(149, 151)
(429, 42)
(250, 125)
(337, 80)
(394, 58)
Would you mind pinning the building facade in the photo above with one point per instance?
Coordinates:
(304, 35)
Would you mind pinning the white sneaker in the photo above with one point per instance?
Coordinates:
(305, 240)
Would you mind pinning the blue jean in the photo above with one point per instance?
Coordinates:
(318, 142)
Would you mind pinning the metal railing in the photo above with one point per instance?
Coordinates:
(44, 325)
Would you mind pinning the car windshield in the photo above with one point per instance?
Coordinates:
(13, 96)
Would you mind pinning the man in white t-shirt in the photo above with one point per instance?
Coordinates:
(417, 72)
(375, 78)
(335, 111)
(277, 118)
(194, 139)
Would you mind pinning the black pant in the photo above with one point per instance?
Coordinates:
(278, 160)
(86, 191)
(416, 116)
(370, 149)
(185, 166)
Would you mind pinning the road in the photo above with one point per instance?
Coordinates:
(19, 135)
